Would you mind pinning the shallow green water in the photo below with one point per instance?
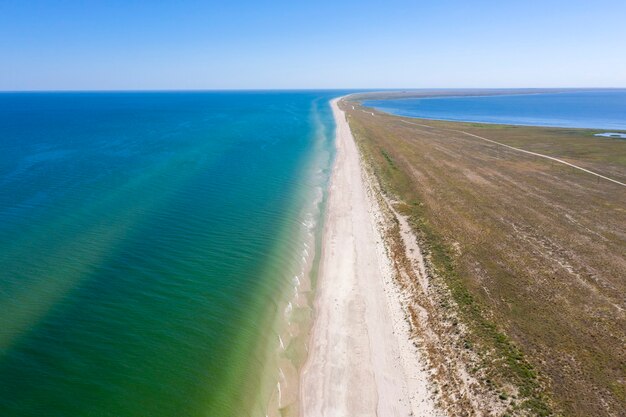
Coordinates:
(147, 241)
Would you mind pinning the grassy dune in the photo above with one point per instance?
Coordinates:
(532, 251)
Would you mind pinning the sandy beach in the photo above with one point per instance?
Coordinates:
(361, 360)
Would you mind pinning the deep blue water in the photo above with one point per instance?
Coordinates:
(583, 109)
(146, 243)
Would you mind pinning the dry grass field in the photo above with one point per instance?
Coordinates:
(532, 252)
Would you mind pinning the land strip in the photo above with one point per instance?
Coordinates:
(523, 276)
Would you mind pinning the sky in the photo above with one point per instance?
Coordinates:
(281, 44)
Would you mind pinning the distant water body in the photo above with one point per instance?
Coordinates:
(151, 245)
(602, 109)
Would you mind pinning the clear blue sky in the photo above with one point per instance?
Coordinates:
(189, 44)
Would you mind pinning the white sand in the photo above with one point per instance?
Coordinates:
(361, 360)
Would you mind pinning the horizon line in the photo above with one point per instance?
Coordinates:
(369, 89)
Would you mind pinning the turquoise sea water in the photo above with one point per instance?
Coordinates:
(603, 109)
(148, 245)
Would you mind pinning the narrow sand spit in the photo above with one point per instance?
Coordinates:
(361, 360)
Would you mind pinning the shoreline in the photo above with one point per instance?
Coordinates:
(294, 318)
(607, 129)
(361, 358)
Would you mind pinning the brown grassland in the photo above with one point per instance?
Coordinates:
(531, 252)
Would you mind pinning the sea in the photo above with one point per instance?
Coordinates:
(158, 250)
(596, 109)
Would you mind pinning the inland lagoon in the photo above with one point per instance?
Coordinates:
(595, 109)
